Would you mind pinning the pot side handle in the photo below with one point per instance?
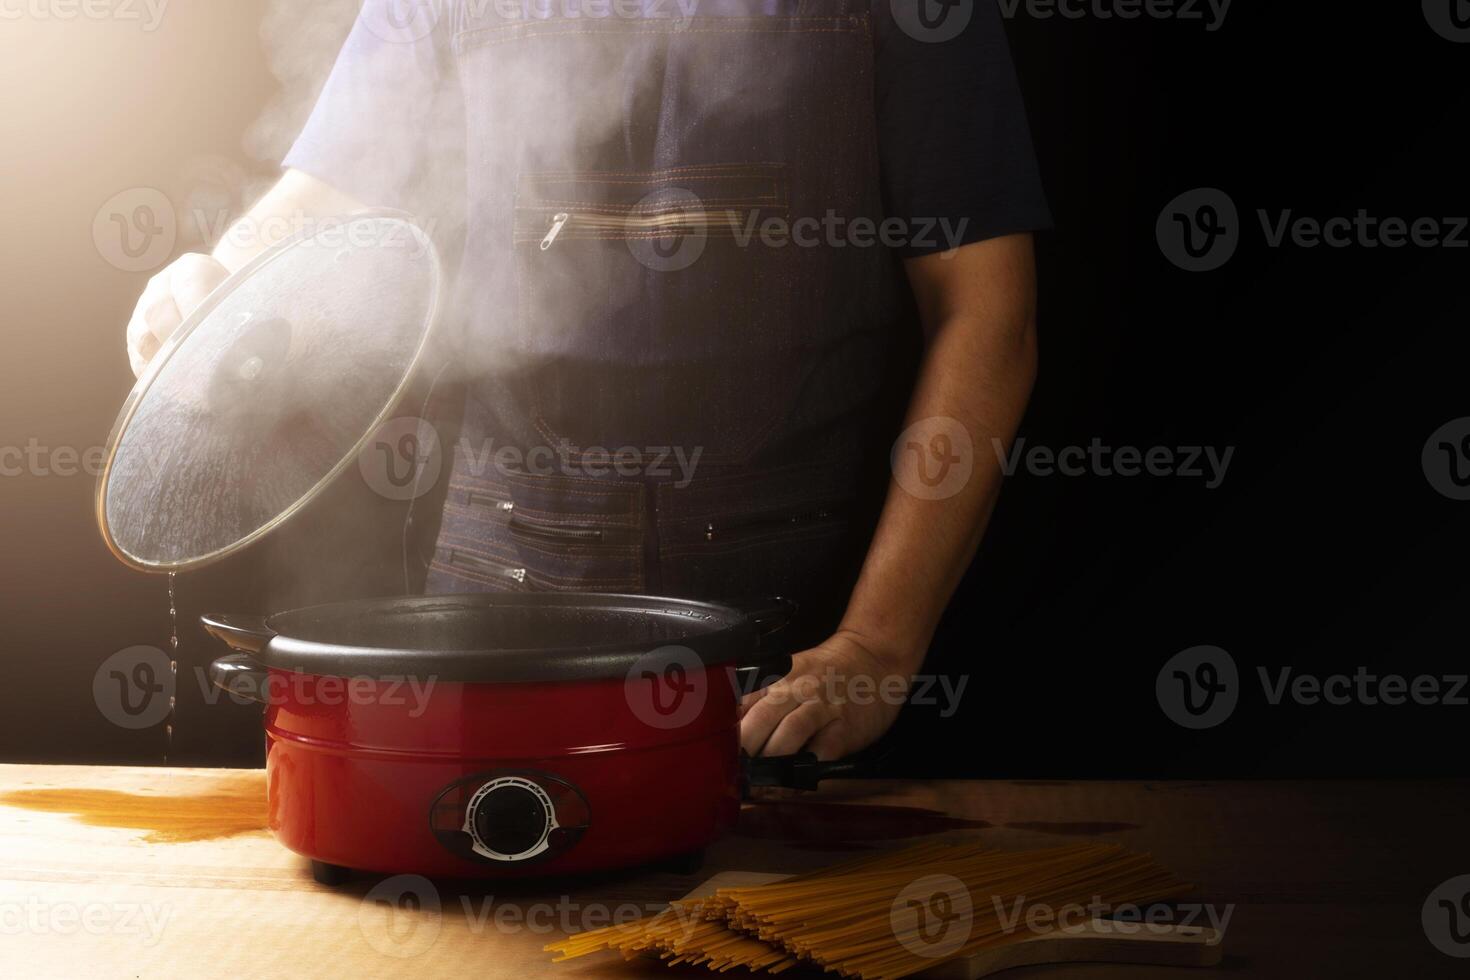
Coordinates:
(767, 613)
(801, 771)
(241, 675)
(241, 631)
(760, 670)
(762, 666)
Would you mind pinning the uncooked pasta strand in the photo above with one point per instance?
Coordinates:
(855, 918)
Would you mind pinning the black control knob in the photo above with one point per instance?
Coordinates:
(510, 819)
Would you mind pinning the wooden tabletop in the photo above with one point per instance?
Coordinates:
(1321, 879)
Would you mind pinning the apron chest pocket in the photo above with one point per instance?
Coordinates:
(651, 313)
(622, 266)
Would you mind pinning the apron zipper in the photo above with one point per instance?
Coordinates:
(476, 563)
(558, 222)
(672, 221)
(713, 530)
(477, 497)
(554, 532)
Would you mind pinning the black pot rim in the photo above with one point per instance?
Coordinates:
(688, 631)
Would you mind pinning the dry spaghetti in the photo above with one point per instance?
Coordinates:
(877, 918)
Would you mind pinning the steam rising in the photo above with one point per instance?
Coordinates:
(301, 41)
(541, 108)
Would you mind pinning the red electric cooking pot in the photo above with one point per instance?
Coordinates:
(462, 735)
(501, 734)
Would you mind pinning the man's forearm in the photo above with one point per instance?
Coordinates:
(978, 371)
(295, 199)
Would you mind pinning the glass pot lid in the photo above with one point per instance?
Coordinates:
(268, 391)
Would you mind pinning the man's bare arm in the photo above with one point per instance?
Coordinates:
(977, 305)
(978, 311)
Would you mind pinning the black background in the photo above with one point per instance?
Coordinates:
(1325, 549)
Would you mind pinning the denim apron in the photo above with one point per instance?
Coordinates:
(665, 400)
